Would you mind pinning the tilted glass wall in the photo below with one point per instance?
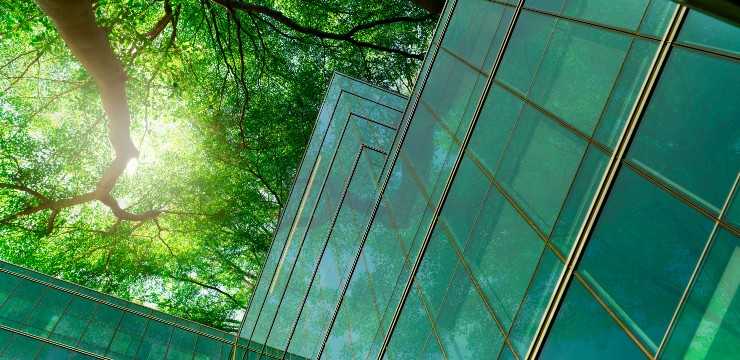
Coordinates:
(46, 318)
(563, 184)
(326, 215)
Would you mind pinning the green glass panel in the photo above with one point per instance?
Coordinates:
(642, 252)
(494, 127)
(71, 326)
(436, 270)
(535, 302)
(8, 282)
(553, 6)
(498, 39)
(411, 331)
(506, 354)
(464, 201)
(179, 354)
(707, 327)
(432, 349)
(82, 307)
(342, 344)
(579, 199)
(133, 323)
(696, 158)
(578, 71)
(706, 31)
(23, 348)
(99, 335)
(524, 50)
(732, 214)
(466, 328)
(108, 315)
(50, 352)
(657, 17)
(184, 339)
(29, 290)
(539, 165)
(502, 255)
(16, 309)
(125, 343)
(623, 96)
(461, 89)
(151, 350)
(56, 298)
(209, 347)
(473, 26)
(44, 317)
(625, 14)
(158, 331)
(584, 330)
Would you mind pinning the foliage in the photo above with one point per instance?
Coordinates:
(222, 102)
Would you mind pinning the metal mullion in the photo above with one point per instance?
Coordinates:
(18, 332)
(303, 236)
(272, 243)
(682, 198)
(606, 183)
(451, 177)
(323, 249)
(699, 265)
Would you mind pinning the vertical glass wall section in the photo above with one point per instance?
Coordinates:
(46, 318)
(311, 261)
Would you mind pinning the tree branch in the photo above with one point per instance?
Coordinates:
(290, 23)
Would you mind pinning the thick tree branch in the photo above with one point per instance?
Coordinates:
(348, 36)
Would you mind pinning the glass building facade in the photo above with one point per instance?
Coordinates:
(561, 184)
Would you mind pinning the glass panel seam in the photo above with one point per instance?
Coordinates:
(49, 341)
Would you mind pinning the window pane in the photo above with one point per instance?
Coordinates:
(436, 270)
(472, 28)
(706, 31)
(464, 201)
(707, 327)
(623, 96)
(412, 330)
(502, 254)
(579, 199)
(583, 330)
(539, 165)
(688, 138)
(642, 252)
(577, 73)
(534, 303)
(524, 50)
(465, 326)
(494, 126)
(622, 14)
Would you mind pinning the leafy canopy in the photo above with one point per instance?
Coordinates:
(222, 97)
